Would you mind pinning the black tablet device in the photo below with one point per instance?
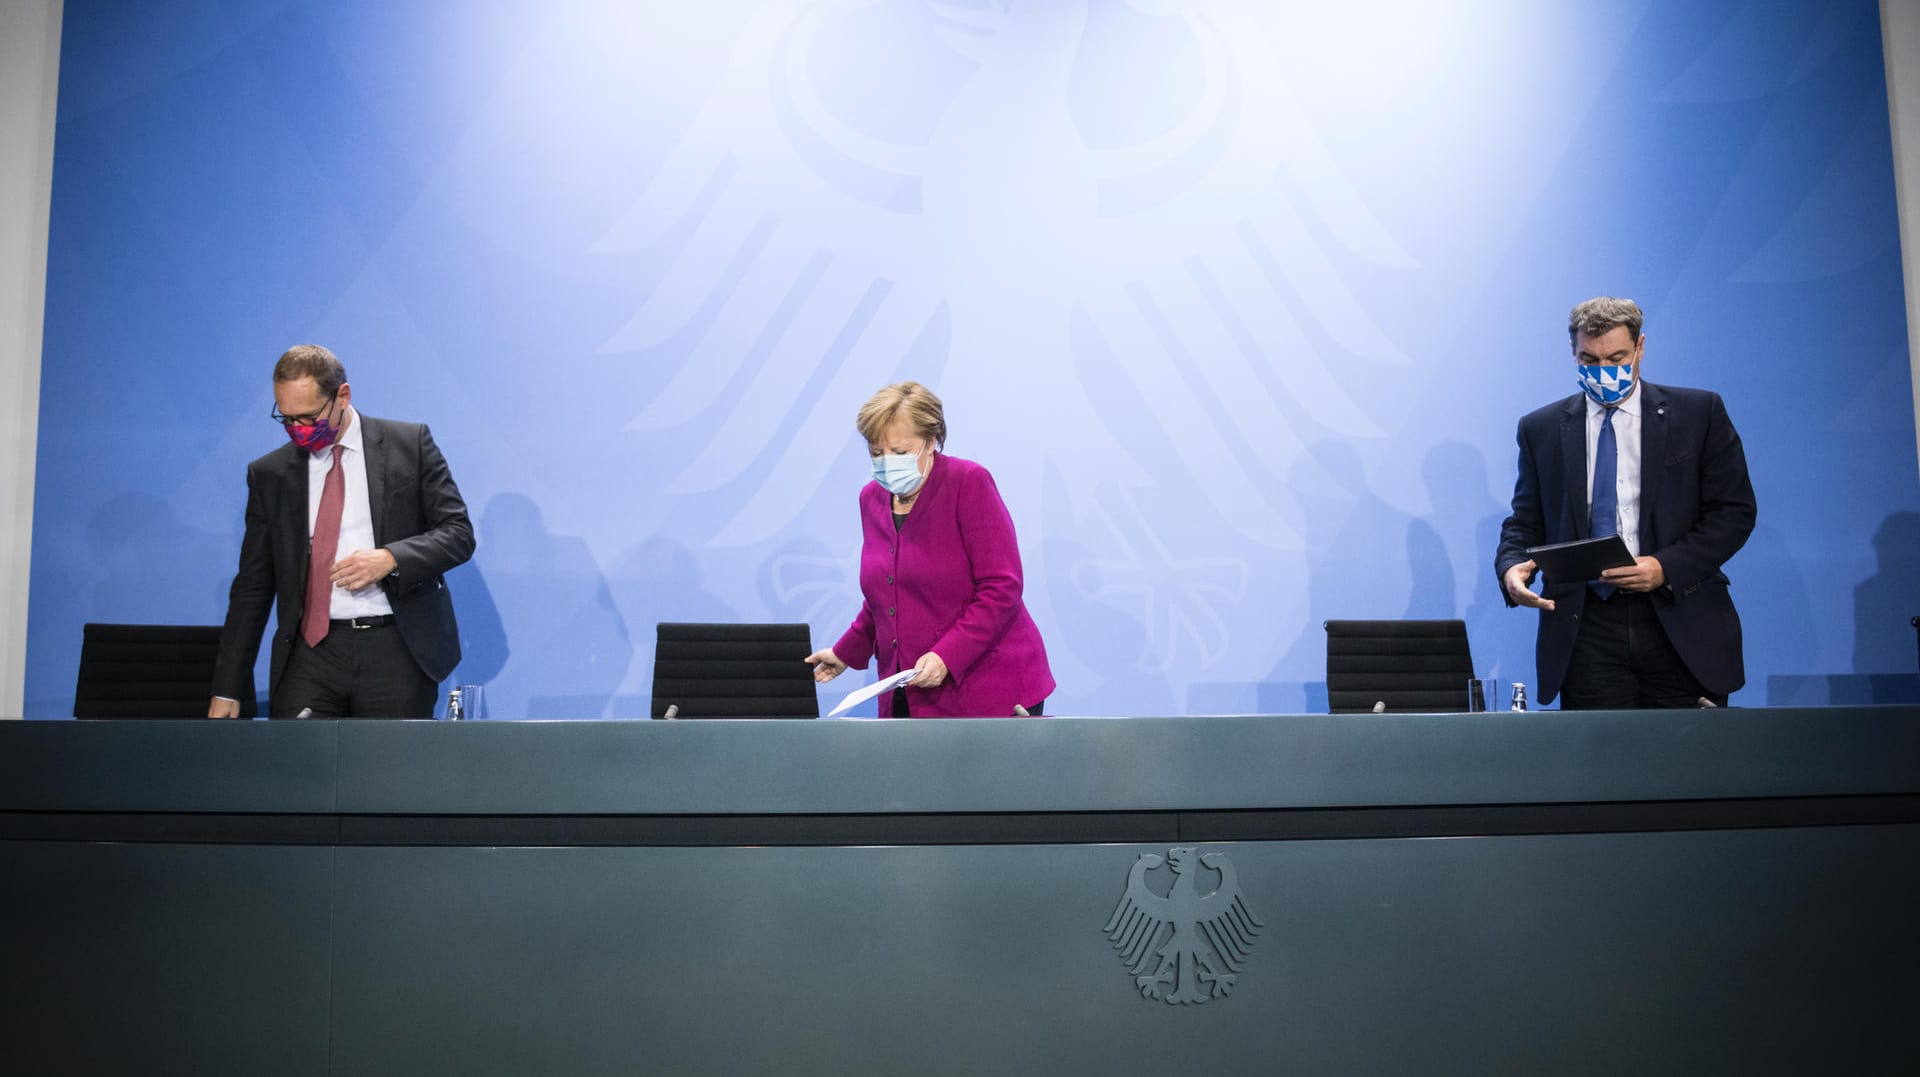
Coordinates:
(1582, 559)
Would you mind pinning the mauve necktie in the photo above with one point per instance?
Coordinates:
(326, 542)
(1605, 513)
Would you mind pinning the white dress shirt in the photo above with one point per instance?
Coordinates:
(1626, 485)
(356, 521)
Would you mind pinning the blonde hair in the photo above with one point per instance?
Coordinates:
(911, 399)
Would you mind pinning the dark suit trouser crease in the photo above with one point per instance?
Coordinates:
(1622, 660)
(354, 673)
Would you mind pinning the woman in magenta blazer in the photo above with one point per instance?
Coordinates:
(941, 574)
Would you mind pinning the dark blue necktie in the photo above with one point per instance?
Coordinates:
(1604, 516)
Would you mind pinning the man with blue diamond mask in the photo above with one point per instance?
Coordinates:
(1663, 468)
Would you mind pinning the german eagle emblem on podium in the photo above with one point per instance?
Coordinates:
(1184, 946)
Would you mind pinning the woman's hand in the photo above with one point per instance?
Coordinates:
(929, 671)
(826, 665)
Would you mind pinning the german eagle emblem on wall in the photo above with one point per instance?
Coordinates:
(1184, 946)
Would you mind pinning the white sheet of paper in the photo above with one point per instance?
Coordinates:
(872, 690)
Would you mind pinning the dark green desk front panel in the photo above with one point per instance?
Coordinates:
(156, 959)
(1731, 952)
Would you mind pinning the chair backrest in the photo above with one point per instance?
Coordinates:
(734, 671)
(1411, 666)
(147, 671)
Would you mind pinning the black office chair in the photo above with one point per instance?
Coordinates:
(148, 671)
(1410, 666)
(733, 671)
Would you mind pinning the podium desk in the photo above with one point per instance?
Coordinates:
(1682, 892)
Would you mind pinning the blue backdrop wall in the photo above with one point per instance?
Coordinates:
(1239, 302)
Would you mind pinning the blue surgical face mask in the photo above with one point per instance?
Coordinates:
(898, 472)
(1606, 384)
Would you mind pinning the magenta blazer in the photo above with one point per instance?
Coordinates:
(949, 582)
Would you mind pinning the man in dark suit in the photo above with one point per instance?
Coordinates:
(374, 502)
(1661, 467)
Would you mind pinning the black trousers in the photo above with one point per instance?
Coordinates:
(354, 673)
(900, 707)
(1622, 660)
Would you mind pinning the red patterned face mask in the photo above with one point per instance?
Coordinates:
(313, 438)
(313, 432)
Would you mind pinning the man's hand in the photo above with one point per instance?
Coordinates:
(930, 671)
(223, 708)
(826, 665)
(1519, 581)
(363, 568)
(1645, 574)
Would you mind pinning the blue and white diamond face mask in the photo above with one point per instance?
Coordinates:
(1606, 384)
(898, 472)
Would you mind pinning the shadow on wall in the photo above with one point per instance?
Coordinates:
(1349, 531)
(143, 565)
(483, 636)
(1441, 544)
(1107, 600)
(1785, 637)
(1468, 507)
(1886, 659)
(565, 629)
(802, 582)
(155, 566)
(657, 579)
(1885, 603)
(1441, 562)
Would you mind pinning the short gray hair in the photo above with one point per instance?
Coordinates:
(1602, 315)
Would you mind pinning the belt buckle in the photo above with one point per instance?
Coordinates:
(357, 624)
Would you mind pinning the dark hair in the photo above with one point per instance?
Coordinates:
(1597, 317)
(311, 361)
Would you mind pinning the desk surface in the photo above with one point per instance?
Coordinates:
(1002, 765)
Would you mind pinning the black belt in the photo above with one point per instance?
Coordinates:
(1623, 598)
(381, 621)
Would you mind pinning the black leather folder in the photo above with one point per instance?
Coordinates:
(1582, 559)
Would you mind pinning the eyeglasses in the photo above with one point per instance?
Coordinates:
(303, 420)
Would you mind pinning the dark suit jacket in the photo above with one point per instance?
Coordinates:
(417, 516)
(1696, 511)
